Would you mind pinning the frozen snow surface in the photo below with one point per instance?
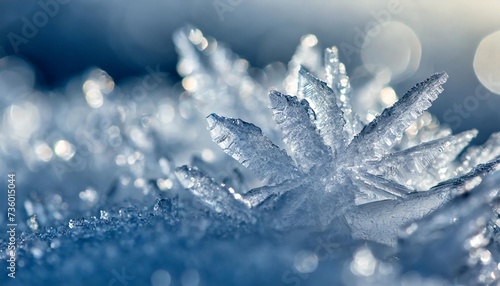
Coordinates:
(128, 184)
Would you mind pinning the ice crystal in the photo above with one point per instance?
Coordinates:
(328, 192)
(325, 167)
(334, 173)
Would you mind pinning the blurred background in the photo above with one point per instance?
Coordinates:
(406, 41)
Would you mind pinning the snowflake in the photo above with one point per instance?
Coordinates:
(334, 169)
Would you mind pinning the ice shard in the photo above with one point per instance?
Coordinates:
(295, 119)
(329, 116)
(386, 129)
(246, 144)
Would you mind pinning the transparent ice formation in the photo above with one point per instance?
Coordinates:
(124, 184)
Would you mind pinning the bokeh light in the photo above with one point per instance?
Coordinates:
(392, 48)
(487, 62)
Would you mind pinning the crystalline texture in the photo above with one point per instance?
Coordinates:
(218, 197)
(382, 221)
(386, 129)
(458, 228)
(246, 144)
(481, 154)
(445, 165)
(299, 133)
(384, 183)
(380, 186)
(307, 54)
(402, 166)
(337, 79)
(329, 116)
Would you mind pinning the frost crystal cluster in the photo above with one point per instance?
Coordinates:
(325, 186)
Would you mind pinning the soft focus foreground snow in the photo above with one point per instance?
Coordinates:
(331, 192)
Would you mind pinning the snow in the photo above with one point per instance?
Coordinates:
(336, 202)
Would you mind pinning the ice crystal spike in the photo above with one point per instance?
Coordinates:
(444, 166)
(402, 166)
(380, 185)
(457, 227)
(334, 73)
(462, 205)
(458, 143)
(386, 129)
(245, 143)
(471, 179)
(381, 221)
(329, 116)
(336, 78)
(295, 118)
(216, 196)
(256, 197)
(482, 154)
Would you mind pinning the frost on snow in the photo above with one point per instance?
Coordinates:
(328, 192)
